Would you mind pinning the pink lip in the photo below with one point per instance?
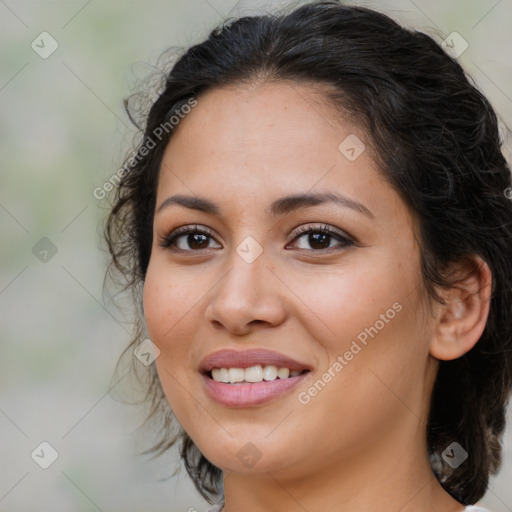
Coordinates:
(248, 395)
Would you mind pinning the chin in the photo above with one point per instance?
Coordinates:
(246, 456)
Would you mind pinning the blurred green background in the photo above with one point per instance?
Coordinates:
(63, 133)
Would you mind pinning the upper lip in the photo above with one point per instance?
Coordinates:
(230, 358)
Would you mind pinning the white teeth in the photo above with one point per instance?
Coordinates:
(236, 375)
(255, 373)
(220, 374)
(283, 373)
(270, 372)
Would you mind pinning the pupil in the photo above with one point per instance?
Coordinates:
(318, 238)
(198, 239)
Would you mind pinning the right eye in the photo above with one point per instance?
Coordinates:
(194, 237)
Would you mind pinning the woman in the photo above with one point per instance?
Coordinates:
(316, 228)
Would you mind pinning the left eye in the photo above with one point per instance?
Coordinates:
(320, 238)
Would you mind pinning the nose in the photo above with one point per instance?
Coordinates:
(247, 297)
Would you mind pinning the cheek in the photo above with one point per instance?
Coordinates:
(165, 313)
(167, 302)
(369, 321)
(165, 309)
(358, 300)
(173, 313)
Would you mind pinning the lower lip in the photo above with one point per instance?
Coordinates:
(248, 395)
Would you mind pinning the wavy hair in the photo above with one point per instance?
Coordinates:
(437, 143)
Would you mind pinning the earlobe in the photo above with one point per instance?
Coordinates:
(461, 321)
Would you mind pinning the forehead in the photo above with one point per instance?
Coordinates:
(269, 116)
(267, 140)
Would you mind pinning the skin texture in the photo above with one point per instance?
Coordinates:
(359, 444)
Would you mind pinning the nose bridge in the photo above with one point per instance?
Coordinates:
(245, 293)
(247, 272)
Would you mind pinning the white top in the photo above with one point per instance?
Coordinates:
(471, 508)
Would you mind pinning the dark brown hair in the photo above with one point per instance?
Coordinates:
(437, 141)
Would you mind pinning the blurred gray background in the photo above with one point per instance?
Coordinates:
(63, 133)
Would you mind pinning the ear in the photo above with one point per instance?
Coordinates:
(461, 320)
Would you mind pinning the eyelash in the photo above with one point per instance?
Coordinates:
(168, 240)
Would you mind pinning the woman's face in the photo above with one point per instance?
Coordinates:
(348, 305)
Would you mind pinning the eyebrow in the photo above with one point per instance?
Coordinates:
(280, 206)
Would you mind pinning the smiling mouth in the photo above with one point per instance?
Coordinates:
(253, 374)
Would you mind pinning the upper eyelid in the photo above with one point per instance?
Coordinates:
(321, 226)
